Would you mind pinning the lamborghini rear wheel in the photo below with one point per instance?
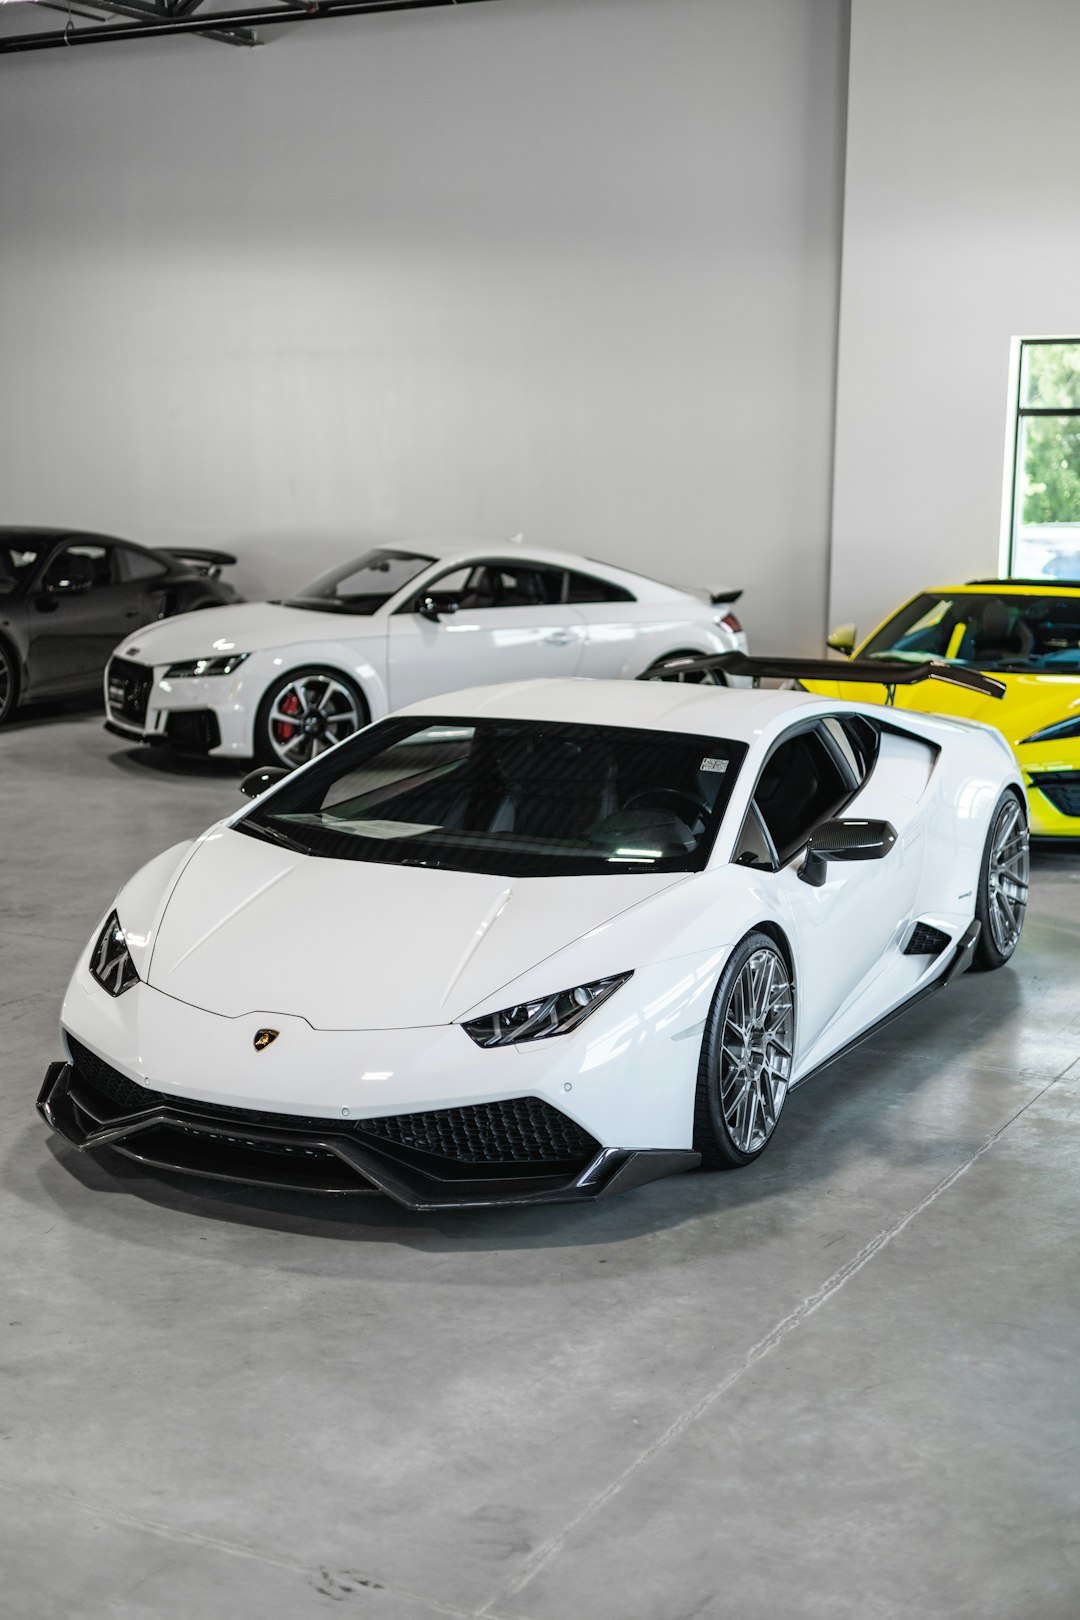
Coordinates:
(746, 1056)
(1003, 884)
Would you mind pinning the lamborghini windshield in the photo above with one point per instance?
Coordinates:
(986, 631)
(516, 797)
(363, 585)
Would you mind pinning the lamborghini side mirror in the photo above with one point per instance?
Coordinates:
(845, 841)
(263, 777)
(842, 639)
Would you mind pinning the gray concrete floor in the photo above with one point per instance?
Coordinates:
(841, 1383)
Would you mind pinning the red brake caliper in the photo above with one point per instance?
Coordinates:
(282, 729)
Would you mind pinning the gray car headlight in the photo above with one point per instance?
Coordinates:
(110, 961)
(207, 666)
(1057, 732)
(546, 1016)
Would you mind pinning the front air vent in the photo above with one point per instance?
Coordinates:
(926, 941)
(1062, 788)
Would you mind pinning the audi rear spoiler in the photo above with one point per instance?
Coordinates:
(723, 598)
(205, 562)
(889, 673)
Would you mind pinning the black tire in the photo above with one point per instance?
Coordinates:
(1001, 900)
(703, 677)
(278, 735)
(9, 682)
(730, 1070)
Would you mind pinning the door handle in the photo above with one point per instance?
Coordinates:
(561, 638)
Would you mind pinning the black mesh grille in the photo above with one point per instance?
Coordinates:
(194, 731)
(1062, 788)
(522, 1128)
(109, 1081)
(519, 1130)
(129, 687)
(926, 941)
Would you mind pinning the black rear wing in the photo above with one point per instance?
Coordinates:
(889, 673)
(209, 563)
(723, 598)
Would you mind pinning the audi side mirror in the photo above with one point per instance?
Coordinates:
(265, 776)
(842, 639)
(428, 608)
(845, 841)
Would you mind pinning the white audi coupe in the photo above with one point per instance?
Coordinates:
(284, 681)
(539, 941)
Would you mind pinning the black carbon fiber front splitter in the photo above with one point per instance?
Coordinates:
(236, 1150)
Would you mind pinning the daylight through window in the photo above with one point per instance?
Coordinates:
(1045, 530)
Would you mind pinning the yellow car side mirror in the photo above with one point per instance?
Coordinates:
(842, 639)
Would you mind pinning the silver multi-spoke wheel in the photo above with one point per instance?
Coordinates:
(756, 1050)
(1007, 876)
(309, 713)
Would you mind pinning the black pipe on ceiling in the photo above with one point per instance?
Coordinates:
(254, 17)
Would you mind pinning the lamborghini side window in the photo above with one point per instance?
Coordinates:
(753, 847)
(802, 785)
(856, 738)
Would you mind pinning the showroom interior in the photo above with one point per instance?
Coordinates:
(730, 294)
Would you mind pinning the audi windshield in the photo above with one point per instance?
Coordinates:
(513, 797)
(363, 585)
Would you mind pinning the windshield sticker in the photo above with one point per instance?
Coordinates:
(714, 765)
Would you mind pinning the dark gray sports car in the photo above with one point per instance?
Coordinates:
(67, 598)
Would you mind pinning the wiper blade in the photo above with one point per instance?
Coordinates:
(272, 835)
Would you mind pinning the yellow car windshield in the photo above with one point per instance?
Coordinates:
(985, 631)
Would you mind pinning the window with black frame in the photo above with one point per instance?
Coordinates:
(1045, 527)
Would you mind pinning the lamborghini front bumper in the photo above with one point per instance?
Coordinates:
(520, 1150)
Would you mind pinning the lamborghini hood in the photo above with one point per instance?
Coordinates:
(248, 627)
(1030, 701)
(357, 945)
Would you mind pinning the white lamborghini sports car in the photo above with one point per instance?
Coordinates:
(284, 681)
(546, 940)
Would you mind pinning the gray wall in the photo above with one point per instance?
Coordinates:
(961, 231)
(561, 266)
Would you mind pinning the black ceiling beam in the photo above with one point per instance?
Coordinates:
(216, 22)
(146, 10)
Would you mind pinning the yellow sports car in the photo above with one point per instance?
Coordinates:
(1026, 632)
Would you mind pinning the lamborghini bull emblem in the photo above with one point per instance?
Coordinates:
(265, 1038)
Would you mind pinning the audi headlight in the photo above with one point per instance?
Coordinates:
(110, 961)
(546, 1016)
(1057, 732)
(207, 666)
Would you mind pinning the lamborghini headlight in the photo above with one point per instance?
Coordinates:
(110, 961)
(1057, 732)
(206, 666)
(547, 1016)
